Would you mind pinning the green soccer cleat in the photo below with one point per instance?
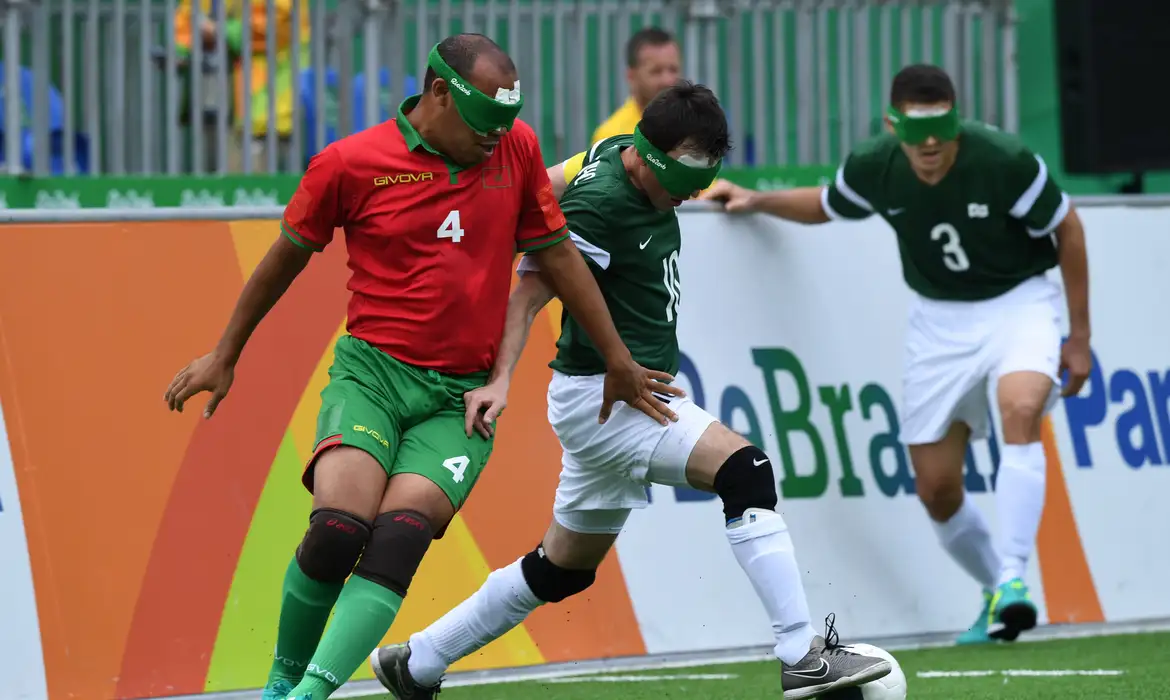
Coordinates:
(276, 690)
(1012, 611)
(977, 634)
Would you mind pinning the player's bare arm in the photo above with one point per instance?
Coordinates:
(564, 270)
(215, 371)
(561, 174)
(556, 175)
(1075, 355)
(484, 405)
(801, 204)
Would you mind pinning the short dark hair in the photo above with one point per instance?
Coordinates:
(689, 114)
(922, 84)
(461, 51)
(648, 36)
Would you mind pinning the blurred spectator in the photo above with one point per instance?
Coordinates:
(653, 63)
(233, 30)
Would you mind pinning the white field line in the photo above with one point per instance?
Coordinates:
(1020, 673)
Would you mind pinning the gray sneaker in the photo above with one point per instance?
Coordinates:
(390, 666)
(828, 666)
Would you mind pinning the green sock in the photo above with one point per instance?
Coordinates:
(364, 613)
(304, 609)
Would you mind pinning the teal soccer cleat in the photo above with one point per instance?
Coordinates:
(1012, 611)
(977, 634)
(276, 690)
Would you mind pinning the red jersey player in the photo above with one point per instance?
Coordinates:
(434, 205)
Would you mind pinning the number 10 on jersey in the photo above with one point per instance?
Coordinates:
(670, 279)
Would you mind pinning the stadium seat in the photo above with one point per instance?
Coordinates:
(358, 111)
(56, 128)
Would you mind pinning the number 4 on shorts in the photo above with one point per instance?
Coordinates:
(451, 227)
(457, 465)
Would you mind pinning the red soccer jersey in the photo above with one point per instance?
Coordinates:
(430, 244)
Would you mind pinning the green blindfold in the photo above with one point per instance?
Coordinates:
(915, 128)
(482, 113)
(679, 179)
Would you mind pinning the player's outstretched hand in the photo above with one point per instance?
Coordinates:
(207, 373)
(1077, 359)
(636, 385)
(733, 197)
(483, 406)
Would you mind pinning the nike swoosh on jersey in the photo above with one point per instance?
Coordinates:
(643, 244)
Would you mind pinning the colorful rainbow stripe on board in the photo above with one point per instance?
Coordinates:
(158, 541)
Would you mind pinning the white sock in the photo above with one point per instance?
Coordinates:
(967, 539)
(763, 547)
(1019, 499)
(500, 604)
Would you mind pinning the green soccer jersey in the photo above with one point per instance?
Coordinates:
(632, 250)
(983, 229)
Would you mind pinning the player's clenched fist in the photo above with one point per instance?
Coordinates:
(207, 373)
(636, 385)
(734, 198)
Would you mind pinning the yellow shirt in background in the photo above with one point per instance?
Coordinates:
(620, 122)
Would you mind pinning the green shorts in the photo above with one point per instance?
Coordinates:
(410, 419)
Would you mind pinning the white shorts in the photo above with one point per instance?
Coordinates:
(605, 469)
(956, 351)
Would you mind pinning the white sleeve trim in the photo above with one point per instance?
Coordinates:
(597, 255)
(601, 257)
(848, 193)
(1057, 218)
(1028, 199)
(829, 210)
(593, 151)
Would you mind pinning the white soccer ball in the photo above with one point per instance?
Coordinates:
(892, 686)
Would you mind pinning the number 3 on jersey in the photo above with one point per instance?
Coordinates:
(451, 227)
(954, 257)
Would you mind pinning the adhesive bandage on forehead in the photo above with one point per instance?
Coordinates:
(680, 177)
(482, 113)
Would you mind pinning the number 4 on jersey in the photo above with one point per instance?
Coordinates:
(451, 227)
(457, 465)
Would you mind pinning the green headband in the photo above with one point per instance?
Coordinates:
(677, 178)
(482, 113)
(915, 128)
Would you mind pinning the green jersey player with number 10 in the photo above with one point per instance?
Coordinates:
(621, 212)
(979, 222)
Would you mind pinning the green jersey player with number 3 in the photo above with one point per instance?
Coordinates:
(620, 206)
(979, 222)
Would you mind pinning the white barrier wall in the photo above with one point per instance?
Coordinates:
(794, 337)
(20, 637)
(141, 551)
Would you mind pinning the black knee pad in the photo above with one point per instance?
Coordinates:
(332, 545)
(397, 546)
(746, 481)
(551, 583)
